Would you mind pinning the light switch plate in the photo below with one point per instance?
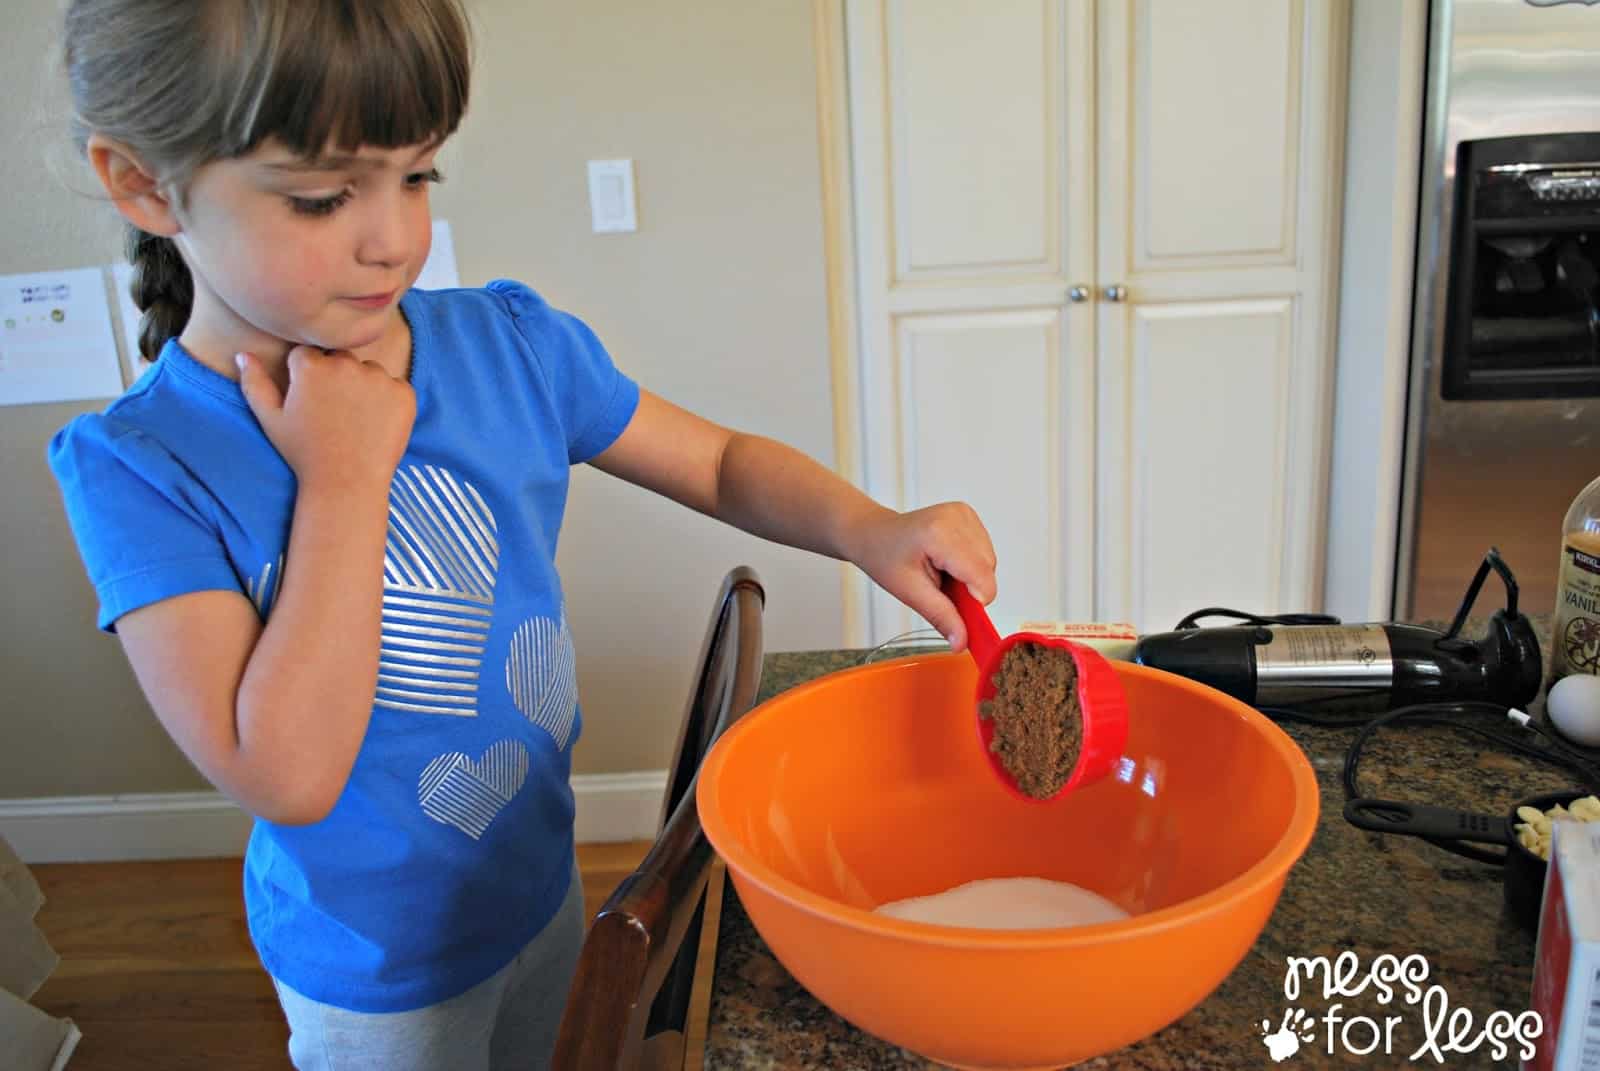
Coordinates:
(611, 200)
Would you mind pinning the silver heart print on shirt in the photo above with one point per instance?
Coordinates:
(457, 791)
(441, 562)
(439, 569)
(263, 587)
(542, 676)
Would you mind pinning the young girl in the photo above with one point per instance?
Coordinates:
(324, 524)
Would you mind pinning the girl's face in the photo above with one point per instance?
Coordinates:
(286, 250)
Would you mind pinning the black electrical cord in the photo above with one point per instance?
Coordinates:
(1453, 716)
(1302, 716)
(1443, 715)
(1192, 621)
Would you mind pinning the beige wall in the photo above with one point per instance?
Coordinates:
(717, 303)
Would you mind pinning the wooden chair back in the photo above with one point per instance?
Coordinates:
(630, 998)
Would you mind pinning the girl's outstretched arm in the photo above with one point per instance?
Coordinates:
(778, 493)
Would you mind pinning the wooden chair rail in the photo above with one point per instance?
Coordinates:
(630, 996)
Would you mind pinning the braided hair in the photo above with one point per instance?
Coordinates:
(162, 288)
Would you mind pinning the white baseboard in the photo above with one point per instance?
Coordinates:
(190, 825)
(613, 807)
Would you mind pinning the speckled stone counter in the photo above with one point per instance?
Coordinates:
(1367, 893)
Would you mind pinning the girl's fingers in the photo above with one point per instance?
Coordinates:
(973, 567)
(260, 392)
(940, 612)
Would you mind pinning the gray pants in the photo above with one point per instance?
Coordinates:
(507, 1022)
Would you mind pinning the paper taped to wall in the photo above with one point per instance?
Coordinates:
(56, 343)
(439, 271)
(132, 360)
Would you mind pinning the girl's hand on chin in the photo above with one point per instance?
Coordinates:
(342, 422)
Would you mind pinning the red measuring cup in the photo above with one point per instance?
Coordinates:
(1102, 704)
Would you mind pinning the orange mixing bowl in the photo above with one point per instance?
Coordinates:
(866, 786)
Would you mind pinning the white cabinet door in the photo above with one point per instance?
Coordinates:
(971, 141)
(1139, 456)
(1220, 126)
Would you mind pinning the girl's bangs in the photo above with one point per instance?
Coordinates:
(342, 76)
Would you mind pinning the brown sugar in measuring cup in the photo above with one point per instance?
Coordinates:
(1052, 715)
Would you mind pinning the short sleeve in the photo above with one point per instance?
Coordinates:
(142, 524)
(595, 399)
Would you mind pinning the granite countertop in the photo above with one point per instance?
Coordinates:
(1363, 892)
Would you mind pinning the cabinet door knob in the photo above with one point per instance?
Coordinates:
(1078, 293)
(1116, 293)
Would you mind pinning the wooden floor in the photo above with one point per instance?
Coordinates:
(158, 971)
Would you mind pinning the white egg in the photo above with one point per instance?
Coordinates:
(1574, 708)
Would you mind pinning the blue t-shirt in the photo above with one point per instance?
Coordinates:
(451, 844)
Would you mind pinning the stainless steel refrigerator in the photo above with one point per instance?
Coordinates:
(1503, 411)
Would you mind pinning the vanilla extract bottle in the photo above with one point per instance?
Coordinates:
(1575, 635)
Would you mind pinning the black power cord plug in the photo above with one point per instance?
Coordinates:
(1456, 717)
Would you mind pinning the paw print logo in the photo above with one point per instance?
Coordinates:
(1286, 1040)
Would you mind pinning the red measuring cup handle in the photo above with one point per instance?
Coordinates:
(982, 638)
